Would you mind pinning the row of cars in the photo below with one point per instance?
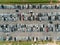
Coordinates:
(30, 27)
(52, 16)
(30, 6)
(8, 17)
(42, 16)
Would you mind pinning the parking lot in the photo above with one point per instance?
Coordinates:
(30, 22)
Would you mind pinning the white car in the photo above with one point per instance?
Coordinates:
(53, 18)
(44, 18)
